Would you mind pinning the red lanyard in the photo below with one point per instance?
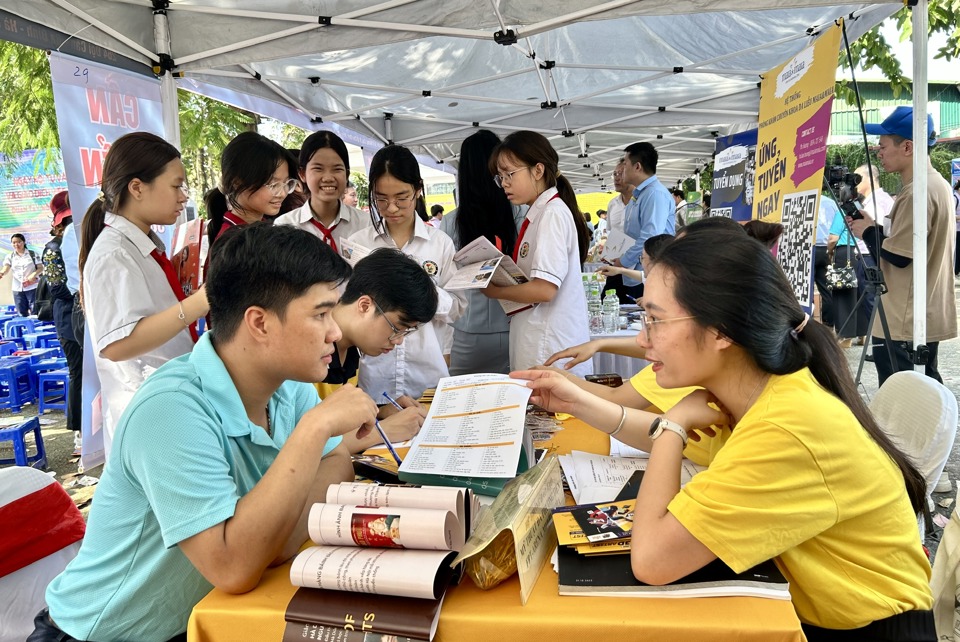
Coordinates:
(233, 219)
(327, 233)
(174, 282)
(523, 230)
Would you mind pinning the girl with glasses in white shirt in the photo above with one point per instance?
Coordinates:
(420, 359)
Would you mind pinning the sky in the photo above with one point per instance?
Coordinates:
(937, 69)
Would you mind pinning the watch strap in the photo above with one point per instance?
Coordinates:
(661, 424)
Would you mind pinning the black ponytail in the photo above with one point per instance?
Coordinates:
(751, 302)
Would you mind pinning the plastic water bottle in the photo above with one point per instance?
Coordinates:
(595, 312)
(611, 312)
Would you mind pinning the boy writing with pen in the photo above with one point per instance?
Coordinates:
(387, 297)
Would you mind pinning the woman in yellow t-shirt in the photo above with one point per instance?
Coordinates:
(806, 477)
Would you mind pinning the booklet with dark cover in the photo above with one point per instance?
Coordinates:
(361, 616)
(611, 576)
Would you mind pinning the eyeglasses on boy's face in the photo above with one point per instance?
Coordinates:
(507, 177)
(283, 187)
(397, 332)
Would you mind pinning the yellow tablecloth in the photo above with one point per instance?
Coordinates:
(470, 614)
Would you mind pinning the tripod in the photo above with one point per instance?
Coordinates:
(874, 284)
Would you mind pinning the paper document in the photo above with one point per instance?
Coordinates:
(479, 264)
(616, 244)
(600, 478)
(353, 252)
(475, 428)
(620, 449)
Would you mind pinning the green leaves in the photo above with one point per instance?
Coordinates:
(28, 118)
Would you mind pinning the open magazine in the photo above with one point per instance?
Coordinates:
(479, 264)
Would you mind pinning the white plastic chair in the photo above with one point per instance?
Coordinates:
(945, 580)
(920, 415)
(40, 532)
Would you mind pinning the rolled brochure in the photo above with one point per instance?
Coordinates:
(387, 527)
(423, 574)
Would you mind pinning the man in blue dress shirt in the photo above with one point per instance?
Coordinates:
(651, 210)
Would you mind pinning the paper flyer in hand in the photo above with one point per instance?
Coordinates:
(616, 244)
(479, 264)
(353, 252)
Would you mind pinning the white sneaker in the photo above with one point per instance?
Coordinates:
(944, 485)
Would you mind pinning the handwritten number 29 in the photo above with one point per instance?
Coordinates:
(78, 72)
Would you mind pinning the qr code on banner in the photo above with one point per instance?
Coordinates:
(796, 245)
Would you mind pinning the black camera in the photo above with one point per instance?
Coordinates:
(844, 185)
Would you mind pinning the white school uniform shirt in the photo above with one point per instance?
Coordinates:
(20, 266)
(417, 363)
(348, 221)
(617, 214)
(549, 251)
(122, 284)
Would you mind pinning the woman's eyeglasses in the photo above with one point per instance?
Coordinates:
(500, 179)
(283, 187)
(647, 324)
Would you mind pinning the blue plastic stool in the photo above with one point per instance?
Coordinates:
(19, 327)
(16, 383)
(16, 434)
(52, 390)
(8, 347)
(44, 365)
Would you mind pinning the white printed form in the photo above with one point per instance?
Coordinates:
(474, 428)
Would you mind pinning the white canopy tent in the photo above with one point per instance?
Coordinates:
(592, 76)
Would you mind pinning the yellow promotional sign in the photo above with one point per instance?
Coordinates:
(796, 99)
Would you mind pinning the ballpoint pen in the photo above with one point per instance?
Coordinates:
(393, 401)
(386, 442)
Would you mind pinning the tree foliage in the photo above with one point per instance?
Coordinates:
(28, 118)
(873, 51)
(363, 188)
(206, 126)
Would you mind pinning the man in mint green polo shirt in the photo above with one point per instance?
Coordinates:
(221, 452)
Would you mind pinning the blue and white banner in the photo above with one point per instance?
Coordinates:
(96, 105)
(734, 166)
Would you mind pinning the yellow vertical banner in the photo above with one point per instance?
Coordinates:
(796, 99)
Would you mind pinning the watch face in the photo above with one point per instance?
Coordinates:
(654, 427)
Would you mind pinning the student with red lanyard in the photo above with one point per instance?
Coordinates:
(254, 181)
(550, 249)
(136, 312)
(325, 167)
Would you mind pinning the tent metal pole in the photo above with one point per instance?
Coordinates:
(920, 163)
(246, 43)
(706, 70)
(169, 106)
(570, 18)
(83, 15)
(272, 87)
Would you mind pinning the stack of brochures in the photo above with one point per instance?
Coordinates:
(388, 540)
(590, 561)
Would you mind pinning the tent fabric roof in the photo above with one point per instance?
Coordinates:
(591, 76)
